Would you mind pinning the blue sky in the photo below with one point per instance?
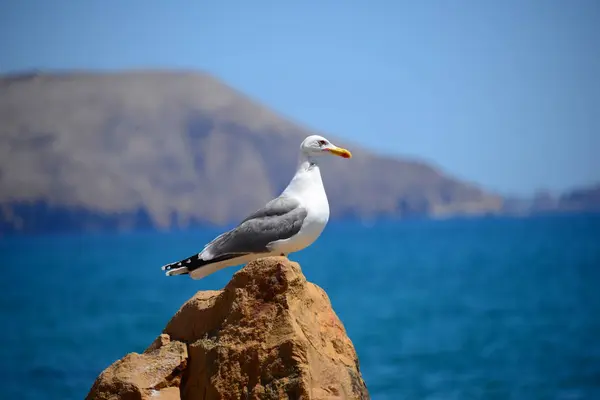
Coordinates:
(502, 93)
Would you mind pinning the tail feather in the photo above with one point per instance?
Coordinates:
(192, 263)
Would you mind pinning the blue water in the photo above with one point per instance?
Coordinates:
(474, 309)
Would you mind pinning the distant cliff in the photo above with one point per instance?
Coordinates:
(103, 151)
(579, 200)
(269, 334)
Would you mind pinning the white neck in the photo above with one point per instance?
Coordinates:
(307, 174)
(305, 161)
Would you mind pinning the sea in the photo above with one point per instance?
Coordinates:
(490, 308)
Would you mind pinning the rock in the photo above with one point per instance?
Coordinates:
(155, 374)
(269, 334)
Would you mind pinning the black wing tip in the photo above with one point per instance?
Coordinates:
(177, 271)
(192, 263)
(177, 268)
(171, 266)
(184, 266)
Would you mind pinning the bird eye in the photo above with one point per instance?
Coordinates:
(322, 143)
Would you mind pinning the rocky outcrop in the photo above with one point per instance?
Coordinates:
(269, 334)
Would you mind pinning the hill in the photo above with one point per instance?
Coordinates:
(578, 200)
(584, 199)
(165, 149)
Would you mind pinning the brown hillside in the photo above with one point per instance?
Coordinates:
(176, 148)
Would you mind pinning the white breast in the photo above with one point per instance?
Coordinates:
(309, 190)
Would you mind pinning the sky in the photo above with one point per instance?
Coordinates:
(505, 94)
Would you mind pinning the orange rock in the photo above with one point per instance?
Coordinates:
(269, 334)
(155, 374)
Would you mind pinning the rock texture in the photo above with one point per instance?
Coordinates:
(269, 334)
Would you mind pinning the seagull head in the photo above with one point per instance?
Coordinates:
(316, 145)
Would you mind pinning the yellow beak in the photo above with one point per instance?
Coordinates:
(338, 151)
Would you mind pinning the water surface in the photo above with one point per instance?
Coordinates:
(460, 309)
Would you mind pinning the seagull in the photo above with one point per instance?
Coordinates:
(287, 224)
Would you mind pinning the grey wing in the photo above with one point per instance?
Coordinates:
(280, 219)
(279, 206)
